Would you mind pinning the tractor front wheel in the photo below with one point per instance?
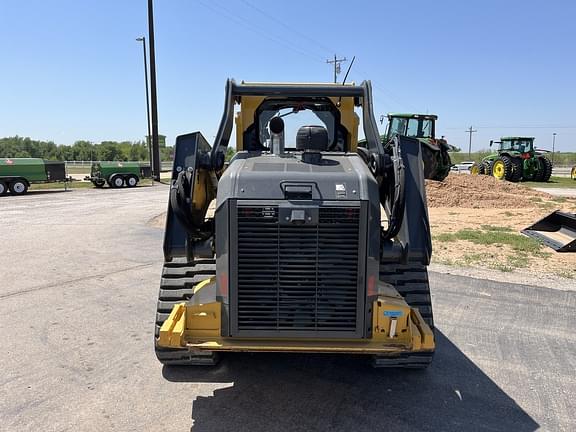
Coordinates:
(477, 168)
(502, 168)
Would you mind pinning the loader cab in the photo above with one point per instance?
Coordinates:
(291, 117)
(256, 113)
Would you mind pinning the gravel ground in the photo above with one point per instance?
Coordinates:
(77, 307)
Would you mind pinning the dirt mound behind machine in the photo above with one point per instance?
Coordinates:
(295, 258)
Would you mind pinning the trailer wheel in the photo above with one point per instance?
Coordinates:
(3, 188)
(117, 181)
(99, 183)
(18, 187)
(131, 181)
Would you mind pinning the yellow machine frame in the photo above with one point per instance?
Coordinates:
(249, 104)
(396, 329)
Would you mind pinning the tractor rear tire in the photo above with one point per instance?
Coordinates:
(177, 286)
(18, 187)
(3, 188)
(517, 170)
(545, 167)
(411, 281)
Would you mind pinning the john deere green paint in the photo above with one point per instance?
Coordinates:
(17, 174)
(515, 160)
(118, 174)
(421, 127)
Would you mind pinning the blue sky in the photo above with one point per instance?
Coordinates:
(72, 70)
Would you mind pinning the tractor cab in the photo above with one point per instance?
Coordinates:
(420, 126)
(516, 145)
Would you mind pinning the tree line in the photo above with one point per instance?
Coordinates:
(20, 147)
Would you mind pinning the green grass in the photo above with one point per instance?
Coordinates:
(554, 182)
(495, 228)
(517, 242)
(77, 169)
(77, 185)
(71, 185)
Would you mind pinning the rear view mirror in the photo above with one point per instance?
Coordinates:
(491, 142)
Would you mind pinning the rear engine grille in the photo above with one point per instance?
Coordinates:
(298, 278)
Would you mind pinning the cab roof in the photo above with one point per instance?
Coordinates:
(416, 116)
(515, 138)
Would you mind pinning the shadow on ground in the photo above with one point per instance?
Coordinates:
(288, 392)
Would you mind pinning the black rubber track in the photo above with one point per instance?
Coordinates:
(411, 281)
(176, 286)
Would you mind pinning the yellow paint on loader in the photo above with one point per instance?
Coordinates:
(396, 329)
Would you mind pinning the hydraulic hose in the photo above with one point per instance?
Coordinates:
(392, 196)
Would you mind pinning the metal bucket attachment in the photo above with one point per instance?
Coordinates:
(557, 231)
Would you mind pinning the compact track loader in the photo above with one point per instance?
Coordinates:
(295, 256)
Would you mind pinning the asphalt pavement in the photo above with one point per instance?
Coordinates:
(77, 300)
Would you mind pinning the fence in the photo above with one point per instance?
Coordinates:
(85, 165)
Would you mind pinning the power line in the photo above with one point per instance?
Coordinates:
(283, 24)
(290, 43)
(518, 127)
(245, 23)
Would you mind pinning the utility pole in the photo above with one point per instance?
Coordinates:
(154, 102)
(470, 131)
(148, 137)
(553, 145)
(336, 63)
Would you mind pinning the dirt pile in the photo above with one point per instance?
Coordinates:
(461, 190)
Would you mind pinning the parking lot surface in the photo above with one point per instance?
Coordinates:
(77, 302)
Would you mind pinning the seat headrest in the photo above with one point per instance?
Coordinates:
(312, 138)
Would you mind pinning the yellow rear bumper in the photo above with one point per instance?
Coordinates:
(396, 329)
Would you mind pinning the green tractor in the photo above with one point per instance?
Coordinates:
(422, 127)
(515, 160)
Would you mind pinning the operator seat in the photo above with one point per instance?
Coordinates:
(312, 138)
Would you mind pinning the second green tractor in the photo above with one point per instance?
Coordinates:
(515, 159)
